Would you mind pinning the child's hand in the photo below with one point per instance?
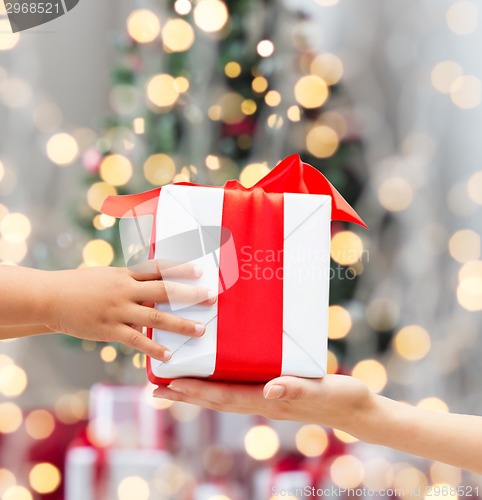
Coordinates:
(112, 304)
(335, 400)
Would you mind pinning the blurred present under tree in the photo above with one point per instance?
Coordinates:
(211, 91)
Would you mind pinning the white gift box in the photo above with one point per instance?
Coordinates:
(123, 416)
(82, 481)
(196, 212)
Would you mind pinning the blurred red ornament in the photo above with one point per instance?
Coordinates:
(91, 160)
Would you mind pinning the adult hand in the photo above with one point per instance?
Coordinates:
(335, 400)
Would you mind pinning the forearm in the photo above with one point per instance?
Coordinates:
(13, 332)
(445, 437)
(24, 296)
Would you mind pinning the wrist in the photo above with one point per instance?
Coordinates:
(47, 297)
(365, 418)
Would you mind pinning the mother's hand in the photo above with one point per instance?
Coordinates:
(335, 400)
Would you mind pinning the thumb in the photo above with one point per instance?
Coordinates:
(288, 388)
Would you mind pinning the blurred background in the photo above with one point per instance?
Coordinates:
(121, 96)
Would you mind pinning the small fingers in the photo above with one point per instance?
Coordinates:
(152, 318)
(140, 342)
(157, 269)
(169, 291)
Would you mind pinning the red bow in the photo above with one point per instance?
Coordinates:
(290, 176)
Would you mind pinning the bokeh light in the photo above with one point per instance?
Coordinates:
(463, 17)
(265, 48)
(440, 472)
(259, 84)
(433, 404)
(159, 169)
(294, 113)
(133, 487)
(13, 381)
(108, 354)
(115, 169)
(332, 363)
(139, 125)
(232, 69)
(15, 227)
(183, 7)
(409, 479)
(253, 173)
(327, 3)
(275, 121)
(248, 107)
(344, 437)
(12, 252)
(469, 293)
(143, 25)
(11, 417)
(98, 253)
(412, 342)
(311, 440)
(322, 141)
(346, 248)
(62, 149)
(474, 187)
(328, 67)
(339, 322)
(7, 480)
(98, 192)
(379, 474)
(261, 442)
(17, 493)
(211, 15)
(8, 40)
(230, 104)
(311, 91)
(444, 74)
(39, 424)
(347, 471)
(44, 478)
(272, 98)
(372, 373)
(466, 91)
(177, 35)
(162, 90)
(465, 245)
(395, 194)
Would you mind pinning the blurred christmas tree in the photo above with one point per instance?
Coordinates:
(210, 91)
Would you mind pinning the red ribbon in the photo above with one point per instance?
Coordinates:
(289, 176)
(250, 313)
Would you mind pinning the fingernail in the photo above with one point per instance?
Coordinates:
(275, 392)
(198, 271)
(211, 296)
(199, 328)
(174, 387)
(167, 355)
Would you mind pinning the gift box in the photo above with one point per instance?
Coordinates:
(122, 416)
(109, 474)
(265, 251)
